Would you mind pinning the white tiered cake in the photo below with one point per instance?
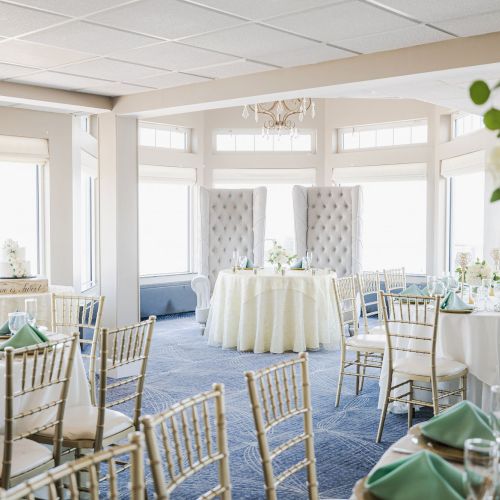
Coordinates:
(14, 263)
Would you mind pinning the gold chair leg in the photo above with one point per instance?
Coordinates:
(464, 387)
(341, 376)
(363, 368)
(358, 372)
(384, 409)
(410, 405)
(435, 400)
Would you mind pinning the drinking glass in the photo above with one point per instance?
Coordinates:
(453, 284)
(309, 258)
(480, 459)
(30, 308)
(16, 321)
(430, 283)
(243, 262)
(495, 411)
(236, 257)
(439, 288)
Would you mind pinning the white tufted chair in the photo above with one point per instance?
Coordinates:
(328, 223)
(230, 219)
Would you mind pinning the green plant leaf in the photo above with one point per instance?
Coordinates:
(495, 196)
(492, 119)
(479, 92)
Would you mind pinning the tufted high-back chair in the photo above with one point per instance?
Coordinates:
(230, 219)
(328, 223)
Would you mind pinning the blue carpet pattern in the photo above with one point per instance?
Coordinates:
(182, 364)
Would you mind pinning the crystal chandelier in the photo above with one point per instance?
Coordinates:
(277, 115)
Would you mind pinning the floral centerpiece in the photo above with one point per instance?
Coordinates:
(15, 261)
(279, 257)
(478, 271)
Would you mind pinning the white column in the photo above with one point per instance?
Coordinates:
(119, 236)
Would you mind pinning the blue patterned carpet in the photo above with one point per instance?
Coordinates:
(181, 364)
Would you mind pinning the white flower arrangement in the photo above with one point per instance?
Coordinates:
(18, 266)
(10, 247)
(278, 256)
(478, 271)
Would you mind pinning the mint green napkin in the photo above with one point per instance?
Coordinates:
(423, 475)
(25, 337)
(39, 333)
(298, 264)
(458, 423)
(412, 290)
(4, 329)
(425, 292)
(452, 302)
(249, 264)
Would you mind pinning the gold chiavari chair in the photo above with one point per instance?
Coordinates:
(278, 393)
(36, 387)
(178, 426)
(369, 345)
(78, 313)
(395, 279)
(99, 426)
(411, 325)
(66, 476)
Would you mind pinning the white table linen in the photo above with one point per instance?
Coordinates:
(270, 312)
(472, 339)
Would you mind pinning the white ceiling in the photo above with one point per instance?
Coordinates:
(118, 47)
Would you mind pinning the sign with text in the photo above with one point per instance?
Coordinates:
(23, 286)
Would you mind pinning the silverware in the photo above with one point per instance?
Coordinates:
(403, 451)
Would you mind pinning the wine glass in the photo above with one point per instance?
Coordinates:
(480, 459)
(430, 280)
(439, 288)
(243, 262)
(453, 284)
(30, 307)
(309, 258)
(236, 258)
(16, 321)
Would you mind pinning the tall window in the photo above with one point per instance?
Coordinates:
(279, 207)
(465, 123)
(20, 206)
(157, 135)
(165, 220)
(383, 135)
(394, 215)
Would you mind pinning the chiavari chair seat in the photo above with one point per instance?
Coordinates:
(372, 341)
(27, 455)
(416, 368)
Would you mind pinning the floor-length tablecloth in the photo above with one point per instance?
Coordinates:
(472, 339)
(270, 312)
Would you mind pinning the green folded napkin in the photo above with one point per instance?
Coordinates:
(425, 292)
(458, 423)
(249, 264)
(452, 302)
(40, 334)
(412, 290)
(422, 475)
(298, 264)
(25, 337)
(4, 329)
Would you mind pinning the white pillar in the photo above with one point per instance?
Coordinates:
(119, 235)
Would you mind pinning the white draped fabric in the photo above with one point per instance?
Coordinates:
(268, 312)
(472, 339)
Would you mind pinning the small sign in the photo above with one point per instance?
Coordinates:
(23, 286)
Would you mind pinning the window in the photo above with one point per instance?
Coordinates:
(383, 135)
(156, 135)
(85, 123)
(88, 221)
(465, 123)
(394, 215)
(165, 226)
(253, 141)
(279, 208)
(20, 205)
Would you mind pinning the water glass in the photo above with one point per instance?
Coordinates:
(236, 258)
(453, 284)
(16, 321)
(309, 258)
(30, 308)
(480, 460)
(243, 262)
(430, 281)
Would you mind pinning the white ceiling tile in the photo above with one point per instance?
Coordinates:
(116, 89)
(170, 79)
(319, 52)
(89, 37)
(11, 70)
(250, 41)
(15, 20)
(58, 80)
(232, 69)
(472, 25)
(345, 20)
(107, 69)
(33, 54)
(173, 56)
(432, 10)
(165, 18)
(262, 9)
(414, 35)
(72, 7)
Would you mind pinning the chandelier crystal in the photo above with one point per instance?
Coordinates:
(278, 114)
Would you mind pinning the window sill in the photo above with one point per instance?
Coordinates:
(166, 278)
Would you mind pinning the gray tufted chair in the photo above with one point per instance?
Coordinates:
(328, 223)
(230, 219)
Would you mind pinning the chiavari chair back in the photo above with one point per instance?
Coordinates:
(277, 394)
(36, 387)
(395, 279)
(369, 290)
(346, 302)
(185, 439)
(64, 480)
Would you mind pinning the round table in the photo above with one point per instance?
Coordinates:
(273, 312)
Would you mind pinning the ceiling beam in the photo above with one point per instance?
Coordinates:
(60, 100)
(305, 80)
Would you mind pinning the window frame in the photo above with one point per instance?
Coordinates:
(169, 128)
(92, 228)
(454, 117)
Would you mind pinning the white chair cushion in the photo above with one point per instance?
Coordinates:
(80, 423)
(364, 341)
(421, 366)
(377, 330)
(26, 455)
